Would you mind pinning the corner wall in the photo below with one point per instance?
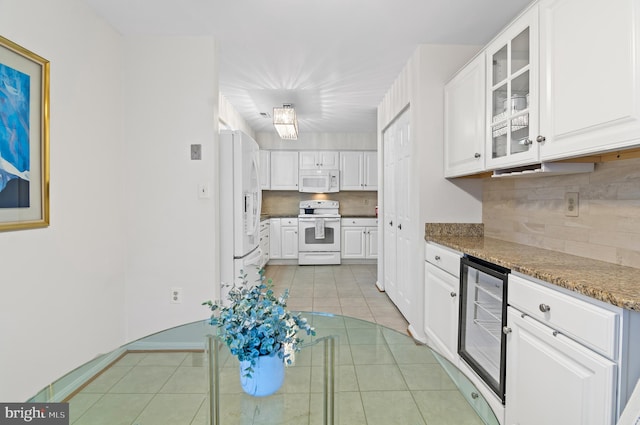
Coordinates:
(63, 286)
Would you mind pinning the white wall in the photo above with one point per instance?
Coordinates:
(63, 286)
(420, 87)
(171, 102)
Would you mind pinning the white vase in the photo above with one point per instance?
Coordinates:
(267, 376)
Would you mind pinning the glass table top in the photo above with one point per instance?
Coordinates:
(381, 376)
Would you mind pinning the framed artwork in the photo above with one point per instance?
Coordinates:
(24, 138)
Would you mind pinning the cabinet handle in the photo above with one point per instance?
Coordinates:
(474, 395)
(400, 226)
(453, 294)
(477, 155)
(544, 308)
(506, 330)
(540, 139)
(528, 142)
(437, 257)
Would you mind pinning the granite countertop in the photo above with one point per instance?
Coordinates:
(608, 282)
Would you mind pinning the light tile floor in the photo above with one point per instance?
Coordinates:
(383, 377)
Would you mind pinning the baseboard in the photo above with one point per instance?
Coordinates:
(415, 335)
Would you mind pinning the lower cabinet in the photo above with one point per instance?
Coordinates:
(359, 238)
(264, 242)
(283, 238)
(441, 310)
(552, 379)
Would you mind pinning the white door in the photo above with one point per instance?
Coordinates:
(404, 213)
(389, 222)
(370, 170)
(350, 170)
(371, 250)
(551, 379)
(289, 238)
(284, 170)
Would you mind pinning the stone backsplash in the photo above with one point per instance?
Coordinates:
(286, 203)
(531, 211)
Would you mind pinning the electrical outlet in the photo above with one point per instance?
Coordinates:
(571, 204)
(176, 295)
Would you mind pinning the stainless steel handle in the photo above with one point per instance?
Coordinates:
(528, 142)
(477, 155)
(453, 294)
(506, 330)
(540, 139)
(437, 257)
(544, 308)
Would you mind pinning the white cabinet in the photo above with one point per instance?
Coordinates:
(442, 283)
(590, 76)
(512, 94)
(359, 238)
(324, 160)
(359, 170)
(562, 355)
(264, 242)
(553, 380)
(464, 117)
(289, 238)
(284, 170)
(283, 238)
(265, 169)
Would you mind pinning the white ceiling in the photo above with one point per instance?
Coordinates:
(332, 59)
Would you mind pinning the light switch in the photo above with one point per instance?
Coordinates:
(196, 152)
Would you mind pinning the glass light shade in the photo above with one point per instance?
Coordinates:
(285, 122)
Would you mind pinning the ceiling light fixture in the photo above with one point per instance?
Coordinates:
(285, 122)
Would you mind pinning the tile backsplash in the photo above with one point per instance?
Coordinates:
(283, 203)
(531, 211)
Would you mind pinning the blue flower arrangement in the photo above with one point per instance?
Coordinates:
(258, 323)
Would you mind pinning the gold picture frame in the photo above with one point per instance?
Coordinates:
(24, 138)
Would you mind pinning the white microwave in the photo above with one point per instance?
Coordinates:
(318, 181)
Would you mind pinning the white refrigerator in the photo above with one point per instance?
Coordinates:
(240, 204)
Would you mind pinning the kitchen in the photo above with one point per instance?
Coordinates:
(458, 200)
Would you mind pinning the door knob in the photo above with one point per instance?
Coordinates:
(453, 294)
(400, 226)
(391, 223)
(540, 139)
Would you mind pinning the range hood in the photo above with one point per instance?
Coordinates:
(545, 169)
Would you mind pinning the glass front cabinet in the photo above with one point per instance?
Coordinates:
(512, 97)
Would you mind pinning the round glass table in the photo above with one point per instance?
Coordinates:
(352, 372)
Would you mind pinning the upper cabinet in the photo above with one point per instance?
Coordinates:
(325, 160)
(265, 170)
(464, 130)
(562, 81)
(512, 93)
(359, 170)
(284, 170)
(590, 76)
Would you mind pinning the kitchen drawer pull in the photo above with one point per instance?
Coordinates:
(437, 257)
(474, 395)
(477, 155)
(544, 308)
(453, 294)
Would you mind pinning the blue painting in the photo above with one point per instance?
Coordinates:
(14, 138)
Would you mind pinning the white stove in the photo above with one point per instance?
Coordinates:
(319, 232)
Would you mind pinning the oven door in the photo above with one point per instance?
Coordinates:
(319, 234)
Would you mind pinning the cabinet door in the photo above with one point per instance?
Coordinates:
(553, 380)
(275, 241)
(370, 170)
(308, 161)
(441, 310)
(284, 170)
(289, 237)
(265, 170)
(329, 160)
(464, 119)
(512, 94)
(590, 76)
(351, 170)
(371, 242)
(353, 242)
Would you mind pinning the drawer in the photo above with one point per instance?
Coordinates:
(366, 222)
(589, 324)
(443, 258)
